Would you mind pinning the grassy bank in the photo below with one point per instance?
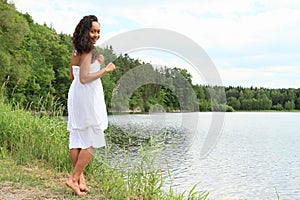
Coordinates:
(34, 156)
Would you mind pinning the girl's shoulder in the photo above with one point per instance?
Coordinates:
(78, 58)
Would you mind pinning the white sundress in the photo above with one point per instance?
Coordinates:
(87, 116)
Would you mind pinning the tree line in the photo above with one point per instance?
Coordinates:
(34, 74)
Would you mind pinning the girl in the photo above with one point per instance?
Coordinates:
(87, 116)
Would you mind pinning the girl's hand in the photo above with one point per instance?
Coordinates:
(100, 59)
(110, 67)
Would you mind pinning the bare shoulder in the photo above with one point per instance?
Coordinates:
(86, 55)
(78, 59)
(75, 59)
(85, 58)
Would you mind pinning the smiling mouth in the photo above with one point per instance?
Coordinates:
(94, 40)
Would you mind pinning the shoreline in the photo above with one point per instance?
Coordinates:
(239, 111)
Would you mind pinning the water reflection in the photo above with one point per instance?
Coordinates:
(257, 155)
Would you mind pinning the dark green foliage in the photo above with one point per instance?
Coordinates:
(33, 58)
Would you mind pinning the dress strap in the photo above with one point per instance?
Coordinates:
(75, 52)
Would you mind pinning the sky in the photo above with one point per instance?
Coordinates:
(250, 42)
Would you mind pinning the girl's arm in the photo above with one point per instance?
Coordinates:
(85, 75)
(71, 69)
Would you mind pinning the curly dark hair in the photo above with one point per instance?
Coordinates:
(80, 39)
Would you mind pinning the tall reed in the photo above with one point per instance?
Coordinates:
(32, 138)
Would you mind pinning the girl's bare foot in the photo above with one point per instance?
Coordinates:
(83, 187)
(82, 184)
(74, 186)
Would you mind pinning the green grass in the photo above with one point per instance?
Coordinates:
(34, 153)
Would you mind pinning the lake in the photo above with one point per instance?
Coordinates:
(247, 155)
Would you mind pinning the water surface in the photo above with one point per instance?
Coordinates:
(256, 154)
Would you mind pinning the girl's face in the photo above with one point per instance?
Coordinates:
(94, 33)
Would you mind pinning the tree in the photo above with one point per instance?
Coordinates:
(290, 105)
(246, 104)
(297, 103)
(276, 97)
(14, 63)
(232, 92)
(234, 103)
(264, 103)
(278, 107)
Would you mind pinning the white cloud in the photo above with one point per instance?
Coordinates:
(109, 35)
(210, 23)
(63, 17)
(244, 38)
(268, 76)
(165, 59)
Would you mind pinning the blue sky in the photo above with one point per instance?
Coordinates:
(251, 43)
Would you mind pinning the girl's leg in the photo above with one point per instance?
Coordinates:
(74, 157)
(83, 159)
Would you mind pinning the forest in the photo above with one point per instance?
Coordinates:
(34, 74)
